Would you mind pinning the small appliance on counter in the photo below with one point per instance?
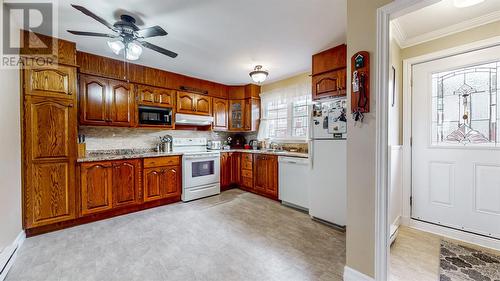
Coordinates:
(237, 141)
(214, 145)
(254, 144)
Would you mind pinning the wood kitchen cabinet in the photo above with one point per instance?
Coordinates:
(244, 115)
(329, 70)
(191, 103)
(57, 82)
(106, 102)
(221, 111)
(246, 172)
(155, 96)
(162, 178)
(49, 147)
(266, 175)
(109, 184)
(230, 169)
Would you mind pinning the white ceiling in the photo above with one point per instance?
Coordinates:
(442, 19)
(220, 40)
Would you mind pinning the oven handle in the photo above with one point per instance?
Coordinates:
(201, 157)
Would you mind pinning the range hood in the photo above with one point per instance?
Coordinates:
(191, 119)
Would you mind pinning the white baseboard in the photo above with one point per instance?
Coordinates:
(353, 275)
(8, 255)
(456, 234)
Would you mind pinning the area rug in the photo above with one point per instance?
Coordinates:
(461, 263)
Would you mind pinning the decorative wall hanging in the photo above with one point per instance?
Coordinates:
(360, 88)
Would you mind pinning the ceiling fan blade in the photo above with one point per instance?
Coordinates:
(152, 32)
(84, 33)
(158, 49)
(94, 16)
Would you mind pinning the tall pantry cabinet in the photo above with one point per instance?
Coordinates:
(49, 128)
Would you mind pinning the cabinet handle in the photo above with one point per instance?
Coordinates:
(70, 105)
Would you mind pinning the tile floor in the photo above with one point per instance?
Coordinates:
(232, 236)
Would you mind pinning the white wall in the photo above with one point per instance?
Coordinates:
(10, 153)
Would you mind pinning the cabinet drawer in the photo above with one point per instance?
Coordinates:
(246, 157)
(247, 173)
(161, 161)
(247, 182)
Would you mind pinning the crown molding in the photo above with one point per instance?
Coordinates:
(398, 33)
(406, 42)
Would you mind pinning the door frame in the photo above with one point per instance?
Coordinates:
(385, 13)
(407, 149)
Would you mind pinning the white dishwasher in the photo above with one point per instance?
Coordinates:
(294, 182)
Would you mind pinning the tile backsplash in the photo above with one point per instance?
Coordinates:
(108, 138)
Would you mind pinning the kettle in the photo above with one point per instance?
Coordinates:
(254, 144)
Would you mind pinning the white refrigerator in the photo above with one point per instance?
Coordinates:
(328, 189)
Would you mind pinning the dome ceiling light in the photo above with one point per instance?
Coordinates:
(258, 75)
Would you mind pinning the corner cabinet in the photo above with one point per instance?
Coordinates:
(106, 102)
(230, 169)
(244, 115)
(190, 103)
(109, 184)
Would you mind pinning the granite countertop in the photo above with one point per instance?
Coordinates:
(282, 153)
(123, 154)
(120, 154)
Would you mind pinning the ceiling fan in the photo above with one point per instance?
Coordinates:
(129, 36)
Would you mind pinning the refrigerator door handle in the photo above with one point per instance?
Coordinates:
(311, 153)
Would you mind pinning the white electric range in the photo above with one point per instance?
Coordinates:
(200, 168)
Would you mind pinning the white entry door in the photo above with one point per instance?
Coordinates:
(456, 160)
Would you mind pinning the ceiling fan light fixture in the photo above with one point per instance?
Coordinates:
(466, 3)
(133, 51)
(258, 75)
(116, 46)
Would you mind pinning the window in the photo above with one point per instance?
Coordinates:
(464, 106)
(285, 113)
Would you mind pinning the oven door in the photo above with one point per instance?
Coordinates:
(200, 170)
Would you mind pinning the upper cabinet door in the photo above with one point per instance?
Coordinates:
(165, 97)
(236, 115)
(53, 82)
(121, 103)
(203, 105)
(146, 95)
(221, 111)
(93, 100)
(186, 102)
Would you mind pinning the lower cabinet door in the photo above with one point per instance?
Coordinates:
(162, 182)
(96, 187)
(260, 173)
(152, 184)
(272, 176)
(126, 182)
(171, 182)
(235, 167)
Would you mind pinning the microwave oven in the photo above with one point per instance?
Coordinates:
(149, 115)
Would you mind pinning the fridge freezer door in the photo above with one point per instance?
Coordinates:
(328, 189)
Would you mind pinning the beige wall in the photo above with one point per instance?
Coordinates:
(297, 79)
(469, 36)
(361, 36)
(10, 164)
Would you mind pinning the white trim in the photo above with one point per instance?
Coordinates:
(9, 254)
(398, 33)
(456, 234)
(353, 275)
(406, 42)
(382, 227)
